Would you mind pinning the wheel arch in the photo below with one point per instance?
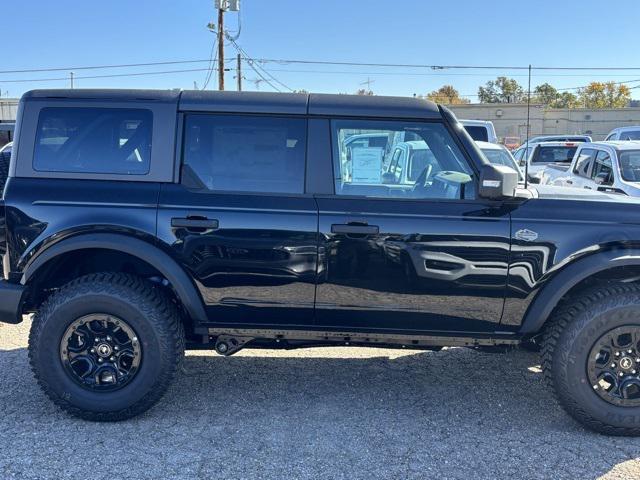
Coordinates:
(572, 276)
(142, 250)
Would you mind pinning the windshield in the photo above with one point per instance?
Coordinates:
(629, 161)
(500, 157)
(554, 155)
(630, 135)
(477, 133)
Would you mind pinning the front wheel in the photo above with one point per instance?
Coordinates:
(591, 358)
(106, 346)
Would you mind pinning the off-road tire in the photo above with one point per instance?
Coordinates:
(569, 337)
(138, 302)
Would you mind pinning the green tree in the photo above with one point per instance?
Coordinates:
(565, 100)
(364, 91)
(501, 90)
(545, 94)
(448, 95)
(605, 95)
(548, 95)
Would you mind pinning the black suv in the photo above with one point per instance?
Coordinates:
(141, 223)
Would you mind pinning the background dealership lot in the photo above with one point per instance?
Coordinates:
(315, 413)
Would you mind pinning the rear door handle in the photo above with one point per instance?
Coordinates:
(194, 223)
(588, 188)
(355, 229)
(570, 182)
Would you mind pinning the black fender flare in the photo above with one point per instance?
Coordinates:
(556, 287)
(145, 251)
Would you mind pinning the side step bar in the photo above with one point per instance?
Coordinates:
(230, 340)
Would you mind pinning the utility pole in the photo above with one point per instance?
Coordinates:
(71, 78)
(239, 71)
(224, 6)
(221, 47)
(526, 148)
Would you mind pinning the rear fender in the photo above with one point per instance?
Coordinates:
(161, 261)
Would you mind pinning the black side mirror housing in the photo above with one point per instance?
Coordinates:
(498, 182)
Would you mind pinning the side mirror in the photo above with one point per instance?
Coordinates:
(498, 182)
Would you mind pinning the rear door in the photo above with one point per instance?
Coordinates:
(602, 176)
(580, 174)
(239, 220)
(424, 256)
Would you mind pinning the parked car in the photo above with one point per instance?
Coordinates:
(5, 160)
(549, 153)
(480, 130)
(560, 138)
(612, 167)
(624, 133)
(6, 148)
(511, 143)
(524, 151)
(408, 161)
(499, 155)
(139, 223)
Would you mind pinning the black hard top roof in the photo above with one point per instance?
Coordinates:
(260, 102)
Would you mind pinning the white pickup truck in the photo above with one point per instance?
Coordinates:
(545, 154)
(612, 167)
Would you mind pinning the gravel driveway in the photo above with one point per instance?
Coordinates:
(315, 413)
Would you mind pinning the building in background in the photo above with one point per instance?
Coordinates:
(8, 112)
(510, 119)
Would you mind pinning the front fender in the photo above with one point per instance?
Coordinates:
(556, 286)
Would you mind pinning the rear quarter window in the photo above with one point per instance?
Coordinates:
(477, 133)
(93, 140)
(554, 155)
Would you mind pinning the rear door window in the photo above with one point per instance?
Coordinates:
(93, 140)
(602, 172)
(238, 153)
(584, 161)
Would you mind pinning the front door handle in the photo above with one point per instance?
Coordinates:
(350, 229)
(588, 188)
(570, 182)
(197, 224)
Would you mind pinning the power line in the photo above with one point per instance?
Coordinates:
(435, 67)
(323, 62)
(213, 56)
(99, 67)
(86, 77)
(254, 67)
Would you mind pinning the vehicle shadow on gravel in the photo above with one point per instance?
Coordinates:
(332, 413)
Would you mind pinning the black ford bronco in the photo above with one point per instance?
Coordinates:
(141, 223)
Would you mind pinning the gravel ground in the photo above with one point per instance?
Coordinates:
(315, 413)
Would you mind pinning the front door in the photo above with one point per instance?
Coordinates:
(239, 221)
(424, 254)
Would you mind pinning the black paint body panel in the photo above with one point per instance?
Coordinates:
(470, 267)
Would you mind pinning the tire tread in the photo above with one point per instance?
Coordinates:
(159, 309)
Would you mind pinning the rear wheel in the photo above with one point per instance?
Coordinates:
(591, 358)
(106, 346)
